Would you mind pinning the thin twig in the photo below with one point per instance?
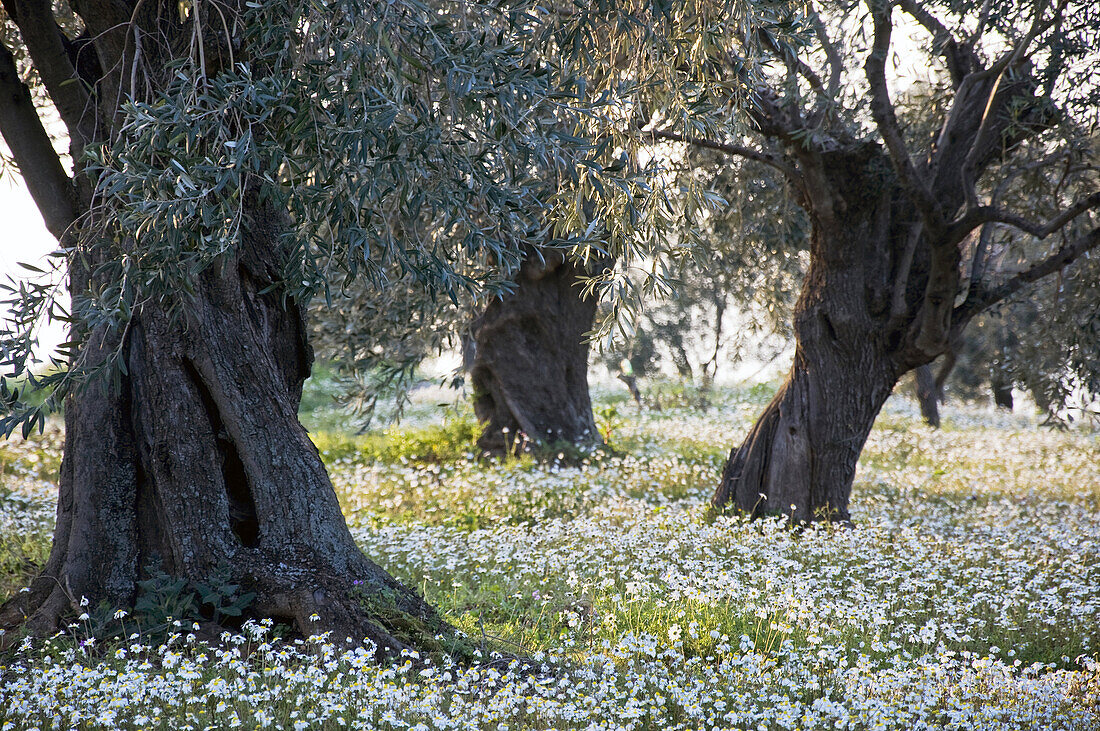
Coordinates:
(730, 149)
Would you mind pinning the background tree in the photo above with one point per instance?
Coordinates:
(524, 343)
(228, 162)
(529, 370)
(1042, 343)
(891, 280)
(1041, 339)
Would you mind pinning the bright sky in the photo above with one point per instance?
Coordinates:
(23, 238)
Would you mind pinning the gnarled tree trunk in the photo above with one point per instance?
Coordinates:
(529, 368)
(192, 457)
(799, 459)
(880, 296)
(891, 283)
(196, 461)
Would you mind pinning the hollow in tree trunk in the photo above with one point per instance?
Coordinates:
(529, 367)
(196, 461)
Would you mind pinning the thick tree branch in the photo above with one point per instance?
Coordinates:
(883, 112)
(940, 34)
(832, 55)
(983, 18)
(970, 165)
(47, 50)
(985, 296)
(972, 219)
(730, 149)
(41, 168)
(960, 58)
(1057, 63)
(769, 117)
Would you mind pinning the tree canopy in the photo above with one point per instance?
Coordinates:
(412, 145)
(984, 116)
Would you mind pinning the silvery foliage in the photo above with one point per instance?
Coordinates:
(648, 62)
(790, 56)
(418, 145)
(701, 69)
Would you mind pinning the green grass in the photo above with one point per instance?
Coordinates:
(973, 552)
(452, 441)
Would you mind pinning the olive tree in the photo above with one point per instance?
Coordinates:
(524, 342)
(891, 280)
(895, 272)
(229, 161)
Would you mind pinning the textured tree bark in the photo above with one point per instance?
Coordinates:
(196, 460)
(529, 368)
(800, 457)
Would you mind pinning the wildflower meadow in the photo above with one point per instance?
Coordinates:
(600, 592)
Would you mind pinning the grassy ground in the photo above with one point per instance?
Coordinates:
(968, 595)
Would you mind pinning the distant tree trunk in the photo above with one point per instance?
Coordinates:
(197, 461)
(681, 362)
(530, 361)
(1040, 395)
(631, 382)
(677, 350)
(928, 395)
(1002, 390)
(710, 368)
(950, 360)
(1000, 380)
